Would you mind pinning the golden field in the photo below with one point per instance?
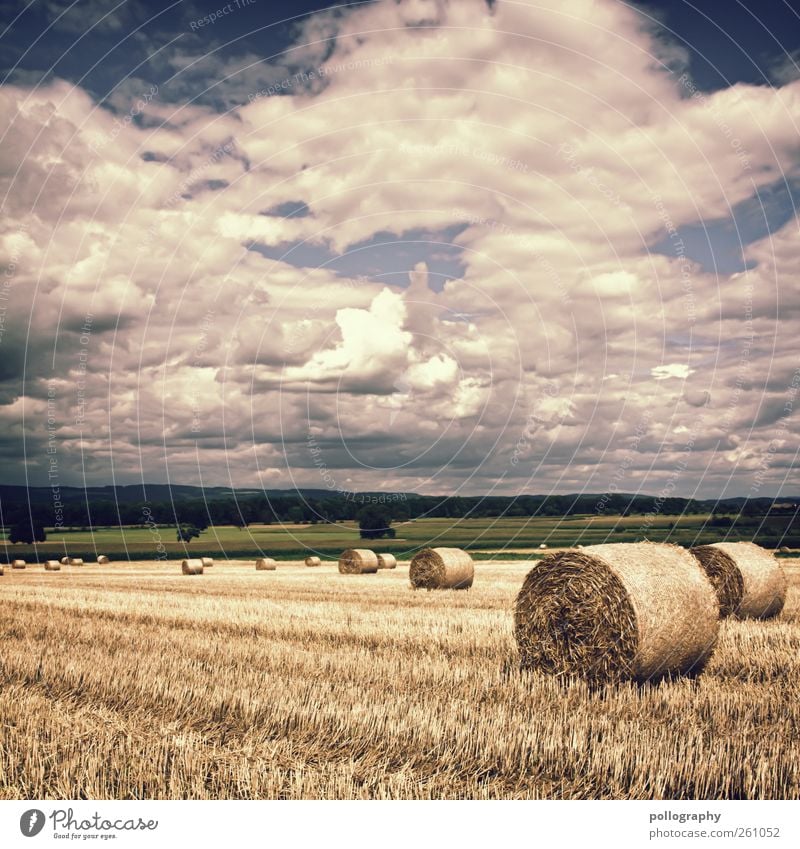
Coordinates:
(134, 681)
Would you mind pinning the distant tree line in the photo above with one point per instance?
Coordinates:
(294, 507)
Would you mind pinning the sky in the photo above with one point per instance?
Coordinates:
(445, 247)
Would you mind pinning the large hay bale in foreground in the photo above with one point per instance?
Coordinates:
(52, 566)
(764, 582)
(18, 564)
(75, 561)
(207, 562)
(441, 569)
(724, 575)
(266, 564)
(358, 561)
(192, 566)
(102, 559)
(313, 561)
(621, 611)
(387, 561)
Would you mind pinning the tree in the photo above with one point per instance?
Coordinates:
(27, 530)
(374, 522)
(186, 533)
(295, 515)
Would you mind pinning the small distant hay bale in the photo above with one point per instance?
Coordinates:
(103, 560)
(543, 545)
(18, 564)
(75, 561)
(441, 569)
(313, 561)
(763, 580)
(358, 561)
(387, 561)
(635, 611)
(64, 561)
(193, 566)
(52, 566)
(207, 562)
(266, 564)
(784, 549)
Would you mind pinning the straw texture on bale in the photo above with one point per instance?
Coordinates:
(764, 583)
(724, 575)
(64, 561)
(266, 564)
(358, 561)
(75, 561)
(608, 613)
(192, 567)
(102, 559)
(207, 561)
(18, 564)
(441, 569)
(387, 561)
(52, 566)
(313, 561)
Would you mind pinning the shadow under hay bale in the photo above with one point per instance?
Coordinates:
(192, 567)
(358, 561)
(266, 564)
(764, 582)
(724, 575)
(103, 560)
(608, 613)
(313, 561)
(387, 561)
(18, 564)
(52, 566)
(441, 569)
(207, 562)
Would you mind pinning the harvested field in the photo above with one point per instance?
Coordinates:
(307, 686)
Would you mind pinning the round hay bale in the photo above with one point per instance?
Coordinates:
(543, 545)
(64, 561)
(358, 561)
(52, 566)
(763, 578)
(75, 561)
(387, 561)
(192, 567)
(441, 569)
(724, 575)
(207, 562)
(266, 564)
(784, 549)
(613, 612)
(103, 560)
(2, 568)
(313, 561)
(18, 564)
